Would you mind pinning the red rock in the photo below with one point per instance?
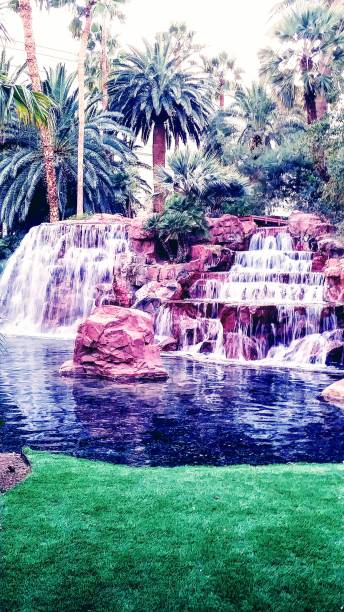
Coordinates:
(122, 290)
(318, 262)
(334, 280)
(228, 230)
(212, 256)
(164, 291)
(306, 226)
(249, 227)
(335, 393)
(239, 346)
(116, 343)
(168, 344)
(331, 246)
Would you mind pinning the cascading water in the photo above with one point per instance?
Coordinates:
(49, 283)
(269, 306)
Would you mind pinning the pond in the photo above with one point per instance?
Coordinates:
(205, 414)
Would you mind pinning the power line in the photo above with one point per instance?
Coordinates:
(20, 42)
(65, 59)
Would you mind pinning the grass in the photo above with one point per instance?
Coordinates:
(82, 535)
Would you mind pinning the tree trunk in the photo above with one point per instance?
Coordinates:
(311, 108)
(25, 12)
(81, 86)
(176, 142)
(222, 92)
(159, 159)
(104, 67)
(321, 106)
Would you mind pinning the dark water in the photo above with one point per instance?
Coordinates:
(205, 413)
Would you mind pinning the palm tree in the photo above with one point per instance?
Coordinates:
(201, 177)
(81, 28)
(309, 61)
(108, 159)
(25, 12)
(155, 92)
(257, 120)
(225, 71)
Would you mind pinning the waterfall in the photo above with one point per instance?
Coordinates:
(269, 307)
(49, 283)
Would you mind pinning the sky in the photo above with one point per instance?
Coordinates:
(238, 27)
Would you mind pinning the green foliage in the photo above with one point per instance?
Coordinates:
(153, 86)
(202, 178)
(182, 219)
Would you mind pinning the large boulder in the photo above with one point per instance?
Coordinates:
(335, 393)
(116, 343)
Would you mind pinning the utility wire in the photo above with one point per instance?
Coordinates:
(60, 57)
(20, 42)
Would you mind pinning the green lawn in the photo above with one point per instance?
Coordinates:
(81, 535)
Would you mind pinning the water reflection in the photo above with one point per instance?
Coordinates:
(204, 414)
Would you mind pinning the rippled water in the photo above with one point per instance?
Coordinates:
(204, 414)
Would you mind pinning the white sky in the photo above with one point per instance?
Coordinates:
(238, 27)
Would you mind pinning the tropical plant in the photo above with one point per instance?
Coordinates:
(81, 28)
(154, 91)
(257, 120)
(25, 12)
(218, 133)
(102, 49)
(108, 159)
(226, 73)
(201, 177)
(181, 220)
(308, 61)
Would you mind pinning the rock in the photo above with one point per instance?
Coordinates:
(164, 291)
(249, 227)
(122, 290)
(318, 262)
(331, 246)
(335, 393)
(214, 257)
(239, 346)
(334, 279)
(14, 467)
(168, 344)
(228, 230)
(305, 226)
(116, 343)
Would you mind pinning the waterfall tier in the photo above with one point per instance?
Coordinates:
(49, 283)
(269, 306)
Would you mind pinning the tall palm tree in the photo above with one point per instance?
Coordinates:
(81, 28)
(257, 120)
(25, 12)
(155, 92)
(308, 63)
(226, 73)
(107, 157)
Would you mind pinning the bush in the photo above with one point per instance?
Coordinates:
(182, 219)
